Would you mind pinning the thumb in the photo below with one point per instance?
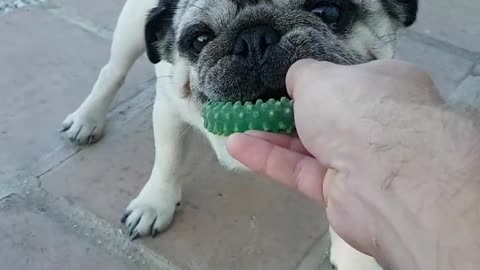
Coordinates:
(303, 71)
(322, 116)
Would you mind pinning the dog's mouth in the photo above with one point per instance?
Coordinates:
(276, 94)
(266, 95)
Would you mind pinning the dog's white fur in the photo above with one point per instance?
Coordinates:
(157, 201)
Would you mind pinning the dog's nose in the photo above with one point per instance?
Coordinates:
(254, 42)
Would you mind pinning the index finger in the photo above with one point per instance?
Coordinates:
(296, 170)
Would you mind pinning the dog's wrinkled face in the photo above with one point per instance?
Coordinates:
(242, 49)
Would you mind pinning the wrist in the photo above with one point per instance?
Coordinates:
(402, 242)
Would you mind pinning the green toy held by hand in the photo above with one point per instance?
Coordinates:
(226, 118)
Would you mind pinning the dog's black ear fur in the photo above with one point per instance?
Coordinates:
(403, 11)
(158, 25)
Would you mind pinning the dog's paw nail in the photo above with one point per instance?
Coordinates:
(134, 236)
(152, 227)
(124, 217)
(132, 226)
(91, 139)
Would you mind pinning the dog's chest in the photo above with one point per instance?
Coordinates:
(169, 87)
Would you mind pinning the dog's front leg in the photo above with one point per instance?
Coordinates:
(86, 124)
(344, 257)
(153, 209)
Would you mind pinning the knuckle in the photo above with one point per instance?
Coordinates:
(322, 65)
(298, 174)
(306, 67)
(302, 72)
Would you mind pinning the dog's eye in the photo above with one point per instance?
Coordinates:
(200, 42)
(330, 14)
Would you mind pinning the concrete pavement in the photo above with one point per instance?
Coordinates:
(60, 204)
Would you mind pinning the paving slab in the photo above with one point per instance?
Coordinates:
(314, 259)
(48, 68)
(30, 240)
(446, 68)
(455, 22)
(227, 222)
(103, 13)
(468, 93)
(11, 5)
(105, 176)
(476, 70)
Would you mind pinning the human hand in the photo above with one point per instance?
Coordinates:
(368, 135)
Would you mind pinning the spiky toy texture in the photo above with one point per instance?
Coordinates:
(226, 118)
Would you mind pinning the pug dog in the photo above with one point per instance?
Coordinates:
(227, 50)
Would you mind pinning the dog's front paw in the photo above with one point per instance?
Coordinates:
(84, 126)
(148, 216)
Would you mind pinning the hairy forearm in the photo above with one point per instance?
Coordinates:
(405, 244)
(402, 243)
(460, 247)
(444, 232)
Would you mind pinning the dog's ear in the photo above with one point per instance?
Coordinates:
(158, 24)
(403, 11)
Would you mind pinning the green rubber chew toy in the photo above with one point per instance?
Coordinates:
(226, 118)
